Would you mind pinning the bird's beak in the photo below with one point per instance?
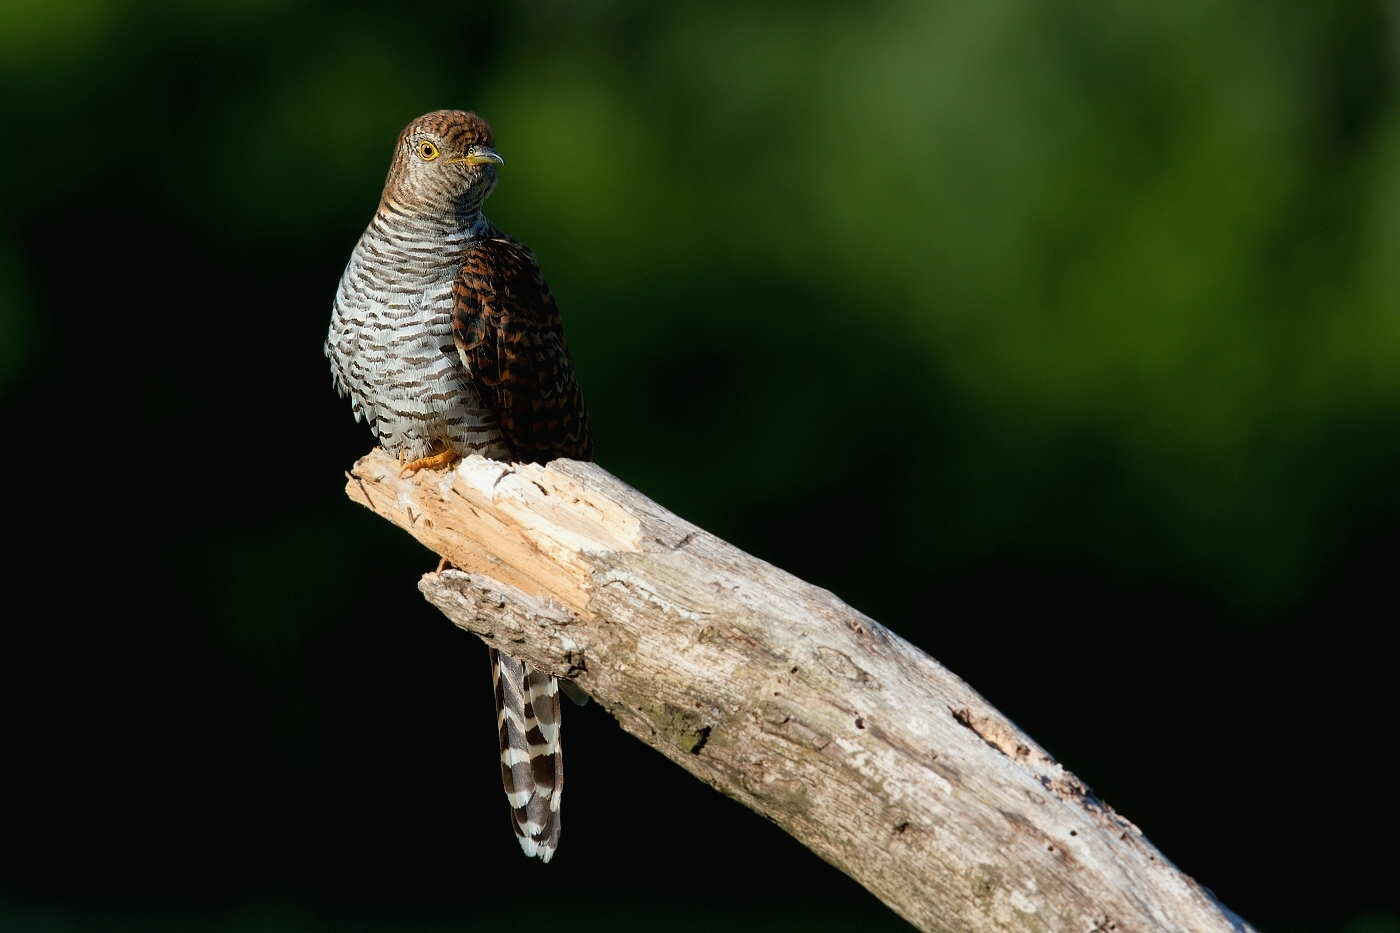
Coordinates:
(481, 155)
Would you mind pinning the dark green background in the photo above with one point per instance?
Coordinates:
(1062, 337)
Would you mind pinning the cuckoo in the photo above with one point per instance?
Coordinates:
(448, 343)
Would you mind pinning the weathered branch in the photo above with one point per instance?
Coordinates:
(860, 745)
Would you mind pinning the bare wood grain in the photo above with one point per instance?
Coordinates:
(772, 690)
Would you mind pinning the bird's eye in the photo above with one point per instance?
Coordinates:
(427, 151)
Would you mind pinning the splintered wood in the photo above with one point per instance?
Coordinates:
(863, 747)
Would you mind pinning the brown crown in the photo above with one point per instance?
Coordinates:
(458, 129)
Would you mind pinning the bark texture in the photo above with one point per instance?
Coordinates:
(772, 690)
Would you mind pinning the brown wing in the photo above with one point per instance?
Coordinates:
(507, 329)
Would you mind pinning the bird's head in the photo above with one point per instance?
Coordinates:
(443, 162)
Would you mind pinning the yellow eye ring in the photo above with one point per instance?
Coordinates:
(427, 151)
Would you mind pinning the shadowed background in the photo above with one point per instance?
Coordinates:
(1063, 338)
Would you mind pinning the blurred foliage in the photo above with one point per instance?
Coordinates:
(997, 239)
(897, 294)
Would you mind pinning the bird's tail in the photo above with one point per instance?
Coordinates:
(532, 763)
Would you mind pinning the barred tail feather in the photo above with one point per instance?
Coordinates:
(532, 763)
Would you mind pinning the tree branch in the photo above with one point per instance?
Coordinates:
(863, 747)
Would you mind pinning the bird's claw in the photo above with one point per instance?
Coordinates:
(413, 466)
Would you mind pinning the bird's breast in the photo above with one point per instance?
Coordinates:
(391, 347)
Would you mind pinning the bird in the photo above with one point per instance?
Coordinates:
(448, 343)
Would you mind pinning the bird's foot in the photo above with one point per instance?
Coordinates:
(422, 463)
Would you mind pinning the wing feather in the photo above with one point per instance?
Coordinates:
(510, 337)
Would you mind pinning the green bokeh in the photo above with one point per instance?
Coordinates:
(1164, 231)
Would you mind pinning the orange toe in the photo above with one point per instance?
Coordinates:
(413, 466)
